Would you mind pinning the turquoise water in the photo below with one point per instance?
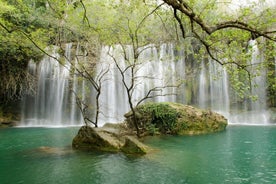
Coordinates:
(240, 155)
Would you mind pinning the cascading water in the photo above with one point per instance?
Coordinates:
(219, 89)
(55, 105)
(202, 94)
(254, 110)
(113, 97)
(258, 87)
(213, 92)
(49, 106)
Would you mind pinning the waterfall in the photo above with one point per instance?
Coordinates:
(254, 110)
(213, 90)
(54, 104)
(113, 97)
(150, 72)
(219, 89)
(48, 106)
(77, 86)
(202, 94)
(258, 84)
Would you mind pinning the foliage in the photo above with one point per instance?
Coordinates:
(19, 29)
(116, 22)
(271, 74)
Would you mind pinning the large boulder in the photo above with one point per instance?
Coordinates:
(174, 118)
(89, 138)
(110, 138)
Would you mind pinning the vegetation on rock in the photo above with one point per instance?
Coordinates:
(176, 119)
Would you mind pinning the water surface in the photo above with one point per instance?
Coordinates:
(240, 155)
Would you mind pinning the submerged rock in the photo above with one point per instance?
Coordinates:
(53, 150)
(176, 119)
(133, 146)
(108, 138)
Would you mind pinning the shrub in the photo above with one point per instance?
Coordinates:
(158, 116)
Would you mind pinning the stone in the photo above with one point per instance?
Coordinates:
(89, 138)
(133, 146)
(53, 150)
(109, 138)
(5, 124)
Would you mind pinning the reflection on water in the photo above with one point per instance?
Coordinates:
(241, 154)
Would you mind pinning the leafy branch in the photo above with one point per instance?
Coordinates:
(185, 8)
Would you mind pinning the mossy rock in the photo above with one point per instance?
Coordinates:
(89, 138)
(176, 119)
(133, 146)
(109, 138)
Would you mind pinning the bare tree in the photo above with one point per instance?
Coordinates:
(129, 72)
(88, 71)
(131, 80)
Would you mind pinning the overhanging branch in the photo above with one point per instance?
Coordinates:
(179, 22)
(183, 7)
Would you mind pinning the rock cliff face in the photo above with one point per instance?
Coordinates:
(176, 119)
(8, 119)
(6, 124)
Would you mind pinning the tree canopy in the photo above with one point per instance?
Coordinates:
(20, 29)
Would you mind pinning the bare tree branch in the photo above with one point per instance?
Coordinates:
(157, 89)
(180, 23)
(144, 18)
(54, 10)
(83, 108)
(85, 18)
(208, 50)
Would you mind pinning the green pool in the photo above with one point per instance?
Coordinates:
(240, 155)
